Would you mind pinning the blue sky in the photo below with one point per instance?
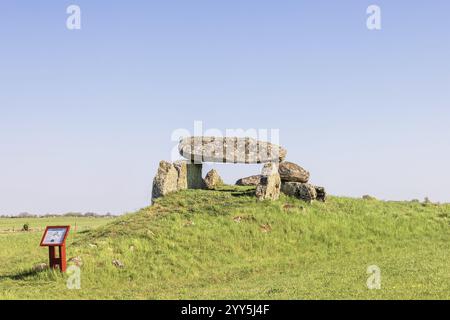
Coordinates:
(86, 115)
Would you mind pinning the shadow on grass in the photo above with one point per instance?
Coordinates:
(247, 193)
(22, 275)
(237, 193)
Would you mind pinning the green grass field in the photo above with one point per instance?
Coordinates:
(224, 244)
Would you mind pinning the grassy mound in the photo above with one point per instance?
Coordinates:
(225, 244)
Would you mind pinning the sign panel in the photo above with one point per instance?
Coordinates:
(55, 236)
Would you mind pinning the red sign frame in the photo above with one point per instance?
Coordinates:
(56, 244)
(61, 260)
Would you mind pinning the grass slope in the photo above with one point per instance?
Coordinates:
(225, 244)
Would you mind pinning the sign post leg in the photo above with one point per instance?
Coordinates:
(62, 258)
(60, 261)
(51, 257)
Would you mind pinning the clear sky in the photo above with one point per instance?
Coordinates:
(86, 115)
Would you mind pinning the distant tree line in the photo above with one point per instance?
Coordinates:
(51, 215)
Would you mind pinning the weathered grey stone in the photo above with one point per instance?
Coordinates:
(213, 180)
(165, 181)
(181, 167)
(76, 261)
(291, 172)
(249, 181)
(306, 192)
(180, 175)
(321, 193)
(230, 150)
(270, 183)
(194, 176)
(40, 267)
(118, 264)
(302, 191)
(269, 169)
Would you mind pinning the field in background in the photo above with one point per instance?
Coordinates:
(225, 244)
(9, 225)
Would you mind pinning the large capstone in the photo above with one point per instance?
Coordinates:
(165, 181)
(291, 172)
(230, 150)
(270, 183)
(213, 180)
(249, 181)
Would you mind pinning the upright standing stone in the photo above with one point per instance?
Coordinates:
(213, 180)
(165, 180)
(270, 183)
(194, 176)
(181, 167)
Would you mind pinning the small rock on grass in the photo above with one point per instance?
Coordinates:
(237, 219)
(189, 223)
(118, 264)
(265, 227)
(243, 218)
(40, 267)
(76, 261)
(288, 206)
